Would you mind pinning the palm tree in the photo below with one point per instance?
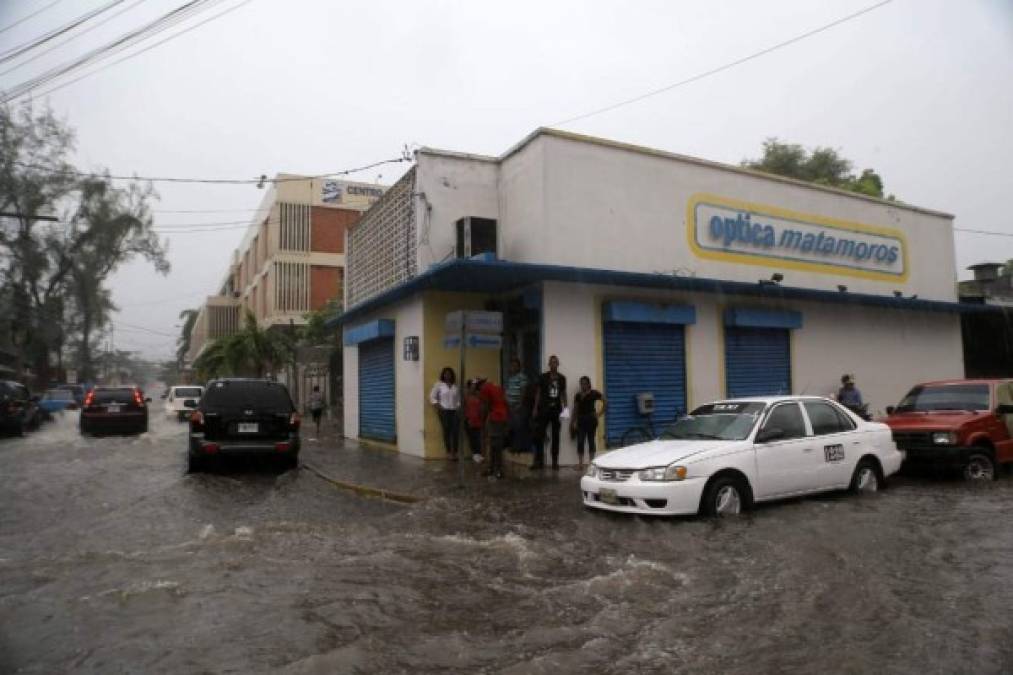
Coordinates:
(189, 317)
(251, 351)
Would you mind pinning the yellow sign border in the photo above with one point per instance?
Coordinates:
(786, 263)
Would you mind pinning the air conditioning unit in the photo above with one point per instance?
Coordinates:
(476, 236)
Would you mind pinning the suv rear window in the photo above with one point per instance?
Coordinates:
(263, 395)
(114, 395)
(187, 392)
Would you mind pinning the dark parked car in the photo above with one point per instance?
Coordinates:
(19, 410)
(243, 417)
(114, 410)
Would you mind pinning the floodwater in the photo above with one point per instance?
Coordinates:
(113, 560)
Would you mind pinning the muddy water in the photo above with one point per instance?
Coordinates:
(112, 560)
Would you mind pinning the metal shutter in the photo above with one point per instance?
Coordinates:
(376, 390)
(643, 357)
(757, 361)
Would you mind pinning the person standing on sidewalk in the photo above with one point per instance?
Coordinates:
(550, 400)
(473, 420)
(316, 407)
(516, 389)
(496, 413)
(585, 421)
(446, 399)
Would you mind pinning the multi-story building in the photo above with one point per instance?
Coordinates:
(988, 336)
(649, 272)
(291, 259)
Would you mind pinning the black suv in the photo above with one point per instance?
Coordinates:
(243, 417)
(19, 410)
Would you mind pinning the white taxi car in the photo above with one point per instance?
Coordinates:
(724, 456)
(175, 401)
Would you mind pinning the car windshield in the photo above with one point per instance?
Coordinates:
(187, 392)
(59, 395)
(236, 393)
(717, 421)
(946, 397)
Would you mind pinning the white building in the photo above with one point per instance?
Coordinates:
(646, 271)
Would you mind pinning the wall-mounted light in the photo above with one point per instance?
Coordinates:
(777, 277)
(842, 288)
(411, 348)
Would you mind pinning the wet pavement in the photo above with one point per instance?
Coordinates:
(112, 560)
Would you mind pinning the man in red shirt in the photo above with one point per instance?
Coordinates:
(496, 412)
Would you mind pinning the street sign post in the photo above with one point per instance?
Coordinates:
(475, 330)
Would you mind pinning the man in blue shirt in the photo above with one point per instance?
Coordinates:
(848, 395)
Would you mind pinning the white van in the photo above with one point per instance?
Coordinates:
(178, 396)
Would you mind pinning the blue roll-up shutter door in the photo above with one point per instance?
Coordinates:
(643, 357)
(376, 389)
(757, 361)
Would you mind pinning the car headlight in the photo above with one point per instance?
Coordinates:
(944, 438)
(661, 473)
(592, 471)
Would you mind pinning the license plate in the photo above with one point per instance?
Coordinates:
(113, 408)
(608, 496)
(248, 427)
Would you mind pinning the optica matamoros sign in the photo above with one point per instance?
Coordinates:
(730, 230)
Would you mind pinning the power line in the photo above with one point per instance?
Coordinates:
(15, 52)
(724, 67)
(26, 18)
(263, 180)
(121, 325)
(138, 53)
(162, 23)
(209, 210)
(988, 232)
(71, 38)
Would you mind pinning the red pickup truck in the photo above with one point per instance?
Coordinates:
(957, 424)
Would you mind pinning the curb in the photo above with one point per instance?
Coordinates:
(364, 490)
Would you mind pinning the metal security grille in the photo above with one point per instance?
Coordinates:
(222, 321)
(294, 227)
(382, 247)
(376, 390)
(291, 287)
(757, 361)
(639, 358)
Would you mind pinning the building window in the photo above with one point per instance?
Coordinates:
(294, 227)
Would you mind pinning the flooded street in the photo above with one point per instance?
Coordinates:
(113, 560)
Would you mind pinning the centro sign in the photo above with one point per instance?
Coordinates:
(725, 229)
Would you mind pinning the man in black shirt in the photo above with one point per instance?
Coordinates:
(550, 399)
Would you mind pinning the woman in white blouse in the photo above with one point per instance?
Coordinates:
(446, 398)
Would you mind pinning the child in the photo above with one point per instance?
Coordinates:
(473, 420)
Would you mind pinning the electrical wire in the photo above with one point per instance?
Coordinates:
(209, 210)
(49, 91)
(213, 181)
(732, 64)
(988, 232)
(26, 18)
(15, 52)
(125, 41)
(71, 38)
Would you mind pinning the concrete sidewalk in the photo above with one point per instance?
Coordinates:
(379, 472)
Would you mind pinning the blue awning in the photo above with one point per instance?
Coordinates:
(501, 276)
(763, 318)
(365, 332)
(642, 312)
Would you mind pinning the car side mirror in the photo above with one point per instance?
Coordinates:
(769, 434)
(890, 409)
(1004, 409)
(190, 403)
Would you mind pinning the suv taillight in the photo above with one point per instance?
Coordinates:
(138, 398)
(293, 421)
(197, 420)
(89, 400)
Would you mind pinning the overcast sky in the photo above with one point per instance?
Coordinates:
(919, 90)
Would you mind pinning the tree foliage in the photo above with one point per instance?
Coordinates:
(63, 234)
(821, 165)
(251, 352)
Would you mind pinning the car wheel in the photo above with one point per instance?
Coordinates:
(20, 427)
(194, 464)
(979, 467)
(724, 497)
(866, 478)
